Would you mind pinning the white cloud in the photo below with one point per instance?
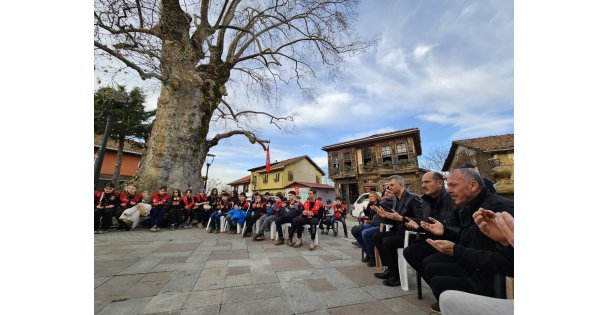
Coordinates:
(321, 161)
(421, 51)
(366, 134)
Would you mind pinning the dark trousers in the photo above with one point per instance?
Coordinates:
(117, 214)
(188, 216)
(387, 244)
(215, 219)
(251, 217)
(443, 273)
(341, 219)
(157, 215)
(279, 224)
(416, 252)
(200, 212)
(175, 216)
(105, 215)
(298, 226)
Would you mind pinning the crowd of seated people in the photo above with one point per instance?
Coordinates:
(457, 244)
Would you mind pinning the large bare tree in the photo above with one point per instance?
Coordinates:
(199, 49)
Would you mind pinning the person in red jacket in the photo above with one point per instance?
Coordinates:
(202, 215)
(128, 199)
(310, 216)
(339, 215)
(160, 202)
(224, 206)
(105, 205)
(188, 202)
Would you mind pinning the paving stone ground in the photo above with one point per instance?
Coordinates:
(193, 272)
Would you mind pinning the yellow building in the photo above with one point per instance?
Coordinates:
(285, 173)
(493, 157)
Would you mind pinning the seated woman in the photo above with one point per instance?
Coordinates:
(132, 215)
(238, 213)
(256, 211)
(223, 207)
(175, 211)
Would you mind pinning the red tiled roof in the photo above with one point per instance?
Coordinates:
(130, 146)
(312, 185)
(381, 136)
(282, 164)
(484, 144)
(239, 181)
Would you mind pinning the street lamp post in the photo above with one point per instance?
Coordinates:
(112, 96)
(207, 172)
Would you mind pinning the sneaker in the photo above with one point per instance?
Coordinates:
(298, 243)
(345, 235)
(365, 259)
(181, 226)
(211, 230)
(371, 262)
(102, 231)
(290, 243)
(279, 242)
(153, 229)
(200, 225)
(261, 237)
(312, 246)
(157, 229)
(172, 227)
(435, 308)
(355, 243)
(96, 231)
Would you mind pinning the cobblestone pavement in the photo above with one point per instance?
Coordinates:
(192, 272)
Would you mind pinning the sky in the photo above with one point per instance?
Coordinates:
(445, 67)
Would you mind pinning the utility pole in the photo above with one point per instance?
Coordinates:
(112, 96)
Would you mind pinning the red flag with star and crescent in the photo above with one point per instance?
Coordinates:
(267, 159)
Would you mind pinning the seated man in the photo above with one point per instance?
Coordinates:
(499, 227)
(310, 216)
(437, 204)
(128, 199)
(105, 205)
(257, 209)
(466, 261)
(407, 205)
(160, 203)
(339, 210)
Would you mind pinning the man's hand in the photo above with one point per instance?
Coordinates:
(486, 220)
(435, 228)
(411, 224)
(442, 246)
(506, 224)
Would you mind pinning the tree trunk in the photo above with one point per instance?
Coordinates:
(121, 146)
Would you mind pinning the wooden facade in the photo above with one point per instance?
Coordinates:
(362, 165)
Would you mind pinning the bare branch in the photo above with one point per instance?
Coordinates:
(235, 116)
(144, 75)
(250, 135)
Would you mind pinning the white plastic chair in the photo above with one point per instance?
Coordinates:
(223, 223)
(402, 262)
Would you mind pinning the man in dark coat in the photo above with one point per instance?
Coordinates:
(468, 260)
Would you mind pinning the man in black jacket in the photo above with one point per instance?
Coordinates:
(468, 260)
(407, 205)
(437, 203)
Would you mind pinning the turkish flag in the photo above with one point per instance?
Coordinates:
(267, 159)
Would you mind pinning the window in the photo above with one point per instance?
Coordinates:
(265, 178)
(334, 162)
(367, 156)
(386, 154)
(290, 176)
(348, 164)
(277, 177)
(318, 178)
(255, 180)
(402, 155)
